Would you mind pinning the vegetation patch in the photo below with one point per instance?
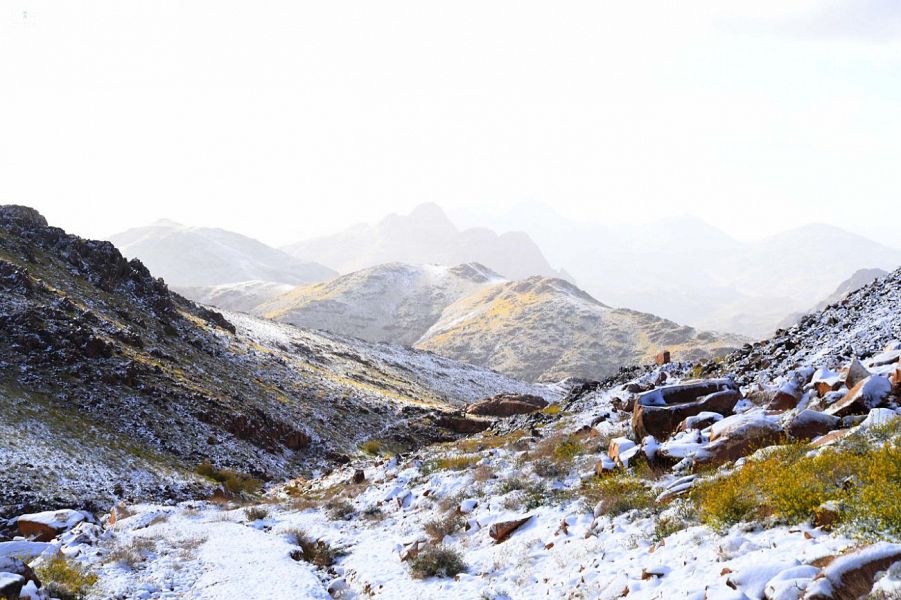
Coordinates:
(255, 513)
(64, 580)
(339, 510)
(315, 552)
(449, 463)
(450, 524)
(437, 561)
(617, 494)
(789, 485)
(233, 481)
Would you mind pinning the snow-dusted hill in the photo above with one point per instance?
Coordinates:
(202, 256)
(394, 302)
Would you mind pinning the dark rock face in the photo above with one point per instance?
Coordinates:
(461, 424)
(499, 532)
(662, 421)
(507, 405)
(809, 424)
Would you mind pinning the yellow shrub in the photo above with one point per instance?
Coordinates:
(617, 494)
(65, 580)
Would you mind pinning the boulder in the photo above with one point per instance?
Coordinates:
(809, 424)
(855, 373)
(622, 450)
(43, 527)
(851, 576)
(786, 398)
(866, 394)
(830, 438)
(359, 477)
(878, 417)
(9, 564)
(699, 421)
(461, 424)
(662, 420)
(507, 405)
(10, 585)
(499, 532)
(738, 436)
(684, 392)
(662, 358)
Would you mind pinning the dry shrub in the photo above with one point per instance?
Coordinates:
(437, 561)
(450, 524)
(483, 473)
(64, 580)
(233, 481)
(316, 552)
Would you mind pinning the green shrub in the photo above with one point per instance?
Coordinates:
(452, 463)
(64, 580)
(789, 485)
(617, 494)
(233, 481)
(339, 510)
(373, 447)
(437, 561)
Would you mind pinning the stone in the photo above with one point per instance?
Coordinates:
(359, 477)
(699, 421)
(461, 424)
(10, 564)
(499, 532)
(855, 373)
(45, 526)
(662, 421)
(827, 514)
(507, 405)
(618, 446)
(663, 358)
(878, 417)
(830, 438)
(852, 575)
(867, 394)
(738, 436)
(685, 392)
(10, 585)
(786, 398)
(810, 424)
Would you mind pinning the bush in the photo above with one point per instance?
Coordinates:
(438, 528)
(316, 552)
(373, 447)
(452, 463)
(789, 485)
(547, 468)
(64, 580)
(339, 510)
(617, 494)
(437, 561)
(232, 481)
(255, 513)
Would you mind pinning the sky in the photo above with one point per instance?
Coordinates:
(288, 120)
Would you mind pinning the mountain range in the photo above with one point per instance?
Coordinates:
(538, 328)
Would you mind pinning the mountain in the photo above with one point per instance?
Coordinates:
(857, 280)
(113, 387)
(687, 270)
(542, 328)
(537, 328)
(242, 297)
(191, 257)
(425, 236)
(394, 302)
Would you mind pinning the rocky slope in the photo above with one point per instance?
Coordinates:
(858, 280)
(388, 303)
(769, 481)
(189, 257)
(113, 387)
(426, 235)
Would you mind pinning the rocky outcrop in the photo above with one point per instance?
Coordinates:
(659, 412)
(499, 532)
(738, 436)
(507, 405)
(868, 393)
(810, 424)
(851, 576)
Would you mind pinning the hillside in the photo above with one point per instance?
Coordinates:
(394, 302)
(114, 387)
(548, 329)
(189, 257)
(773, 480)
(425, 236)
(857, 280)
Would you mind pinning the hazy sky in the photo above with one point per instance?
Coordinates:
(289, 119)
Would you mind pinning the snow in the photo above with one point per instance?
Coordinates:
(59, 520)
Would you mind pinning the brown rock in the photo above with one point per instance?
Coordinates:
(499, 532)
(11, 585)
(739, 436)
(856, 373)
(662, 358)
(786, 398)
(867, 394)
(809, 424)
(358, 477)
(9, 564)
(685, 392)
(824, 387)
(507, 405)
(461, 424)
(830, 438)
(826, 515)
(697, 422)
(662, 421)
(852, 575)
(44, 527)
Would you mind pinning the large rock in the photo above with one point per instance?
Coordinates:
(10, 564)
(787, 397)
(662, 420)
(461, 424)
(809, 424)
(11, 585)
(684, 392)
(738, 436)
(507, 405)
(855, 373)
(499, 532)
(867, 394)
(851, 576)
(43, 527)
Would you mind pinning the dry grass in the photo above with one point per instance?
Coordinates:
(438, 529)
(616, 494)
(437, 561)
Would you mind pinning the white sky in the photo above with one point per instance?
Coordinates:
(285, 120)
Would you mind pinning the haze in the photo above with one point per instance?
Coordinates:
(286, 120)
